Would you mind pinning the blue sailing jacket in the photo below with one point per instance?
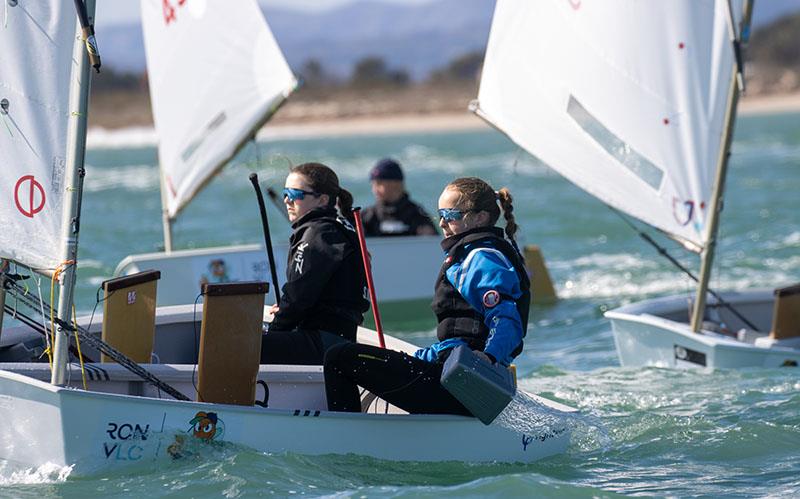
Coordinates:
(488, 281)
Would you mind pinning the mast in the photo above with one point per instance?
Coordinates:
(165, 218)
(76, 152)
(715, 208)
(3, 264)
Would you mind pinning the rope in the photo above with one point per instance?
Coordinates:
(78, 346)
(8, 128)
(49, 349)
(102, 346)
(680, 266)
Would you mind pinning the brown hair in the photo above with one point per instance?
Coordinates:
(477, 195)
(323, 180)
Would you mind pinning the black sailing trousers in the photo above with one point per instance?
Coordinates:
(405, 381)
(298, 346)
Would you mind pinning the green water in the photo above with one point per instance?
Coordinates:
(664, 433)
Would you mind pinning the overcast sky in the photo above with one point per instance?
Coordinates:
(125, 11)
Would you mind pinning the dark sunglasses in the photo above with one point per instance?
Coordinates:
(452, 214)
(297, 194)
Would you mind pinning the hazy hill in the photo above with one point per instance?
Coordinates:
(418, 38)
(774, 55)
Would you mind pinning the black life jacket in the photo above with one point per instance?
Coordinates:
(457, 318)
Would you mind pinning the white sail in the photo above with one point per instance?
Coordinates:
(624, 98)
(36, 67)
(216, 74)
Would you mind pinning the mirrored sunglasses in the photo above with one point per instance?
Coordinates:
(451, 214)
(296, 194)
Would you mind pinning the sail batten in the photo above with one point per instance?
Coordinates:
(216, 75)
(626, 99)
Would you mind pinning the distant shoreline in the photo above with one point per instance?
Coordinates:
(407, 123)
(770, 104)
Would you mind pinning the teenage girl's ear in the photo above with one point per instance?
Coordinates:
(481, 218)
(325, 199)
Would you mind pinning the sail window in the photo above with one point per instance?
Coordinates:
(651, 174)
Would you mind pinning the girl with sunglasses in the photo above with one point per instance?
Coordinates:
(322, 302)
(481, 300)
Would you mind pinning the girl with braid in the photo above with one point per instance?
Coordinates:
(481, 300)
(322, 302)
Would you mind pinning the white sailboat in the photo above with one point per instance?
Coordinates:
(117, 418)
(635, 102)
(216, 76)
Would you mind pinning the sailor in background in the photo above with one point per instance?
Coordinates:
(481, 300)
(323, 300)
(394, 214)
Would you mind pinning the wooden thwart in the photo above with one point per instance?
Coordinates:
(129, 314)
(786, 313)
(230, 342)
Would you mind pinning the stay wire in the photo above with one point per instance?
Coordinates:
(106, 349)
(681, 267)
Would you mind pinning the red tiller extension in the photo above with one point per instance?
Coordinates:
(368, 271)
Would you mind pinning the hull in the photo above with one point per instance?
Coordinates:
(403, 268)
(120, 420)
(656, 333)
(95, 432)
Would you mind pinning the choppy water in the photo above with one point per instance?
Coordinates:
(651, 431)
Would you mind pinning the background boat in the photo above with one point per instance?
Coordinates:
(648, 134)
(228, 60)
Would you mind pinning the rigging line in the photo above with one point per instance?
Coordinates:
(124, 361)
(36, 327)
(5, 122)
(38, 279)
(78, 346)
(30, 300)
(110, 351)
(516, 160)
(680, 266)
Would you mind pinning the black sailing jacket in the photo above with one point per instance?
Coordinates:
(402, 218)
(325, 285)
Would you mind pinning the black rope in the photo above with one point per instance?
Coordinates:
(680, 266)
(93, 341)
(39, 328)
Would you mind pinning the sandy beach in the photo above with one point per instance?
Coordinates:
(296, 122)
(447, 121)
